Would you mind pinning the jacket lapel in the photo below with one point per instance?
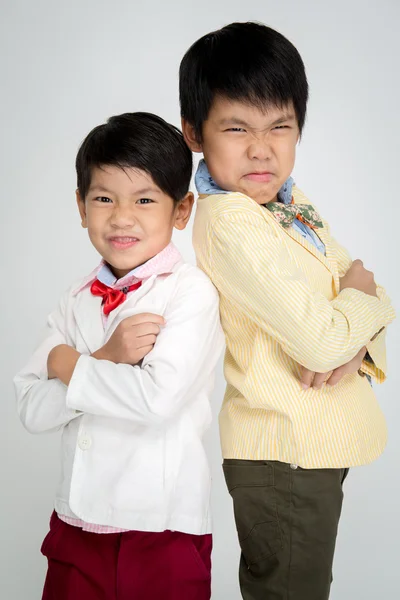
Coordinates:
(87, 313)
(329, 257)
(328, 261)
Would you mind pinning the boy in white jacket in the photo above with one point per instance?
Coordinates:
(125, 370)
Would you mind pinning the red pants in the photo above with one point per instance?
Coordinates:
(125, 566)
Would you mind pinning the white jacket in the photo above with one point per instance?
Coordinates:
(132, 453)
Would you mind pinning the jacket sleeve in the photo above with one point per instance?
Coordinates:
(181, 363)
(41, 402)
(375, 365)
(251, 268)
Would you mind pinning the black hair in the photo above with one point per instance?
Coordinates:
(141, 141)
(249, 62)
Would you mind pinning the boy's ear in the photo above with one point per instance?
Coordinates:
(190, 136)
(183, 211)
(82, 209)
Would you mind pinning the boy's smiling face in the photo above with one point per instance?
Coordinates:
(128, 217)
(246, 149)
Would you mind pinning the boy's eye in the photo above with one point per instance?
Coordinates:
(236, 129)
(103, 199)
(281, 127)
(145, 201)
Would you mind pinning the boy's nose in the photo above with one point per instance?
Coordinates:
(260, 150)
(122, 217)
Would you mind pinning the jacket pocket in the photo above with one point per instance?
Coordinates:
(201, 547)
(254, 503)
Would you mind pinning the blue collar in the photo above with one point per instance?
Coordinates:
(205, 184)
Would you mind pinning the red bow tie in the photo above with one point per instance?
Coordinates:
(111, 298)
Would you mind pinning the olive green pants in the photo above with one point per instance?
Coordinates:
(287, 520)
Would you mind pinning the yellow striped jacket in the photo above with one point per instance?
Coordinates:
(281, 307)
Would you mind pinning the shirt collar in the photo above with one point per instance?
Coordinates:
(205, 184)
(161, 264)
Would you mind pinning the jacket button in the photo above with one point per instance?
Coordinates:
(84, 442)
(294, 467)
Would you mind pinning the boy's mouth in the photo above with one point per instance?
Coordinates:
(264, 177)
(123, 242)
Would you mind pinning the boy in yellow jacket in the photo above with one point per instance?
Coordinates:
(305, 327)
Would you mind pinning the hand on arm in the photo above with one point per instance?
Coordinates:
(316, 380)
(132, 340)
(271, 289)
(180, 364)
(357, 277)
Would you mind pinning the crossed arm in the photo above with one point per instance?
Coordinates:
(321, 335)
(111, 383)
(132, 340)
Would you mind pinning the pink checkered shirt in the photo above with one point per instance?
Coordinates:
(161, 264)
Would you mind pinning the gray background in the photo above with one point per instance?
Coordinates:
(66, 67)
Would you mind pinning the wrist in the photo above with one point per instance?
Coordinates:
(61, 363)
(53, 360)
(101, 354)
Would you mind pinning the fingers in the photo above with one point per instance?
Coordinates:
(147, 329)
(312, 379)
(319, 379)
(146, 340)
(140, 354)
(351, 367)
(146, 350)
(307, 378)
(336, 376)
(144, 318)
